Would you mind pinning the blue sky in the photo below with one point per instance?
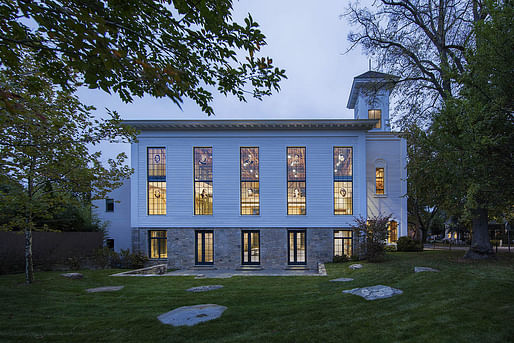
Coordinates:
(306, 38)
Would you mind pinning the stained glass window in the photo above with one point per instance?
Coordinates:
(203, 180)
(375, 114)
(343, 180)
(249, 173)
(343, 243)
(158, 244)
(379, 181)
(156, 181)
(296, 185)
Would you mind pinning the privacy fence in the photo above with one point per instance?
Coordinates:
(50, 250)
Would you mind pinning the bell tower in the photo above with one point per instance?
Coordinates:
(369, 98)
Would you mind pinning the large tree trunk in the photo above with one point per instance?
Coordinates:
(480, 244)
(29, 268)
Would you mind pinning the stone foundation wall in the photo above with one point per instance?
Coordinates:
(227, 246)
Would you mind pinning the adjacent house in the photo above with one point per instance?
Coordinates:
(261, 193)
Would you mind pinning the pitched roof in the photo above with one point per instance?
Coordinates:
(369, 78)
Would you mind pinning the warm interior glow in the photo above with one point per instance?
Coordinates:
(343, 180)
(156, 184)
(203, 181)
(379, 181)
(249, 174)
(296, 183)
(375, 114)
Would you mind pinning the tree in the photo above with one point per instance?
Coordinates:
(45, 136)
(471, 138)
(170, 48)
(421, 41)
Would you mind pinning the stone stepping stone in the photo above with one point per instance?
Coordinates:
(355, 266)
(104, 289)
(342, 279)
(374, 292)
(192, 315)
(74, 276)
(204, 288)
(424, 269)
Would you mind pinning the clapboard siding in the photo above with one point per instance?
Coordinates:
(273, 185)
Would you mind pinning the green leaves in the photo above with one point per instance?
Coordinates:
(130, 47)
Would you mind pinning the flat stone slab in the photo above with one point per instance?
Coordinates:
(424, 269)
(192, 315)
(355, 266)
(204, 288)
(73, 275)
(374, 292)
(342, 279)
(104, 289)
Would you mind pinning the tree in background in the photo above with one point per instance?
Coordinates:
(171, 48)
(455, 59)
(45, 136)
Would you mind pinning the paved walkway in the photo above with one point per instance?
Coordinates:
(222, 274)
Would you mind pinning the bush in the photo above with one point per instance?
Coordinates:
(340, 259)
(374, 233)
(107, 258)
(406, 243)
(390, 248)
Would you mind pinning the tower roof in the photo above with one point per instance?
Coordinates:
(367, 79)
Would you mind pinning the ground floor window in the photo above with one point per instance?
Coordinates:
(343, 243)
(392, 236)
(158, 244)
(204, 246)
(296, 247)
(250, 247)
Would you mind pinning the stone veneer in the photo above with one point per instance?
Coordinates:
(227, 246)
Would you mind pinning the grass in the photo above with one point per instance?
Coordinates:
(465, 302)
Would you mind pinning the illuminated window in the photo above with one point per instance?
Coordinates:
(109, 205)
(203, 180)
(158, 246)
(392, 231)
(343, 243)
(379, 181)
(343, 180)
(249, 169)
(375, 114)
(297, 247)
(204, 244)
(296, 188)
(156, 181)
(250, 244)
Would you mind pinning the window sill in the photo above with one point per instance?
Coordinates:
(380, 195)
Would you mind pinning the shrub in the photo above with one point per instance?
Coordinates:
(406, 243)
(107, 258)
(340, 259)
(390, 248)
(374, 232)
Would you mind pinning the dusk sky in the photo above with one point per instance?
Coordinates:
(306, 38)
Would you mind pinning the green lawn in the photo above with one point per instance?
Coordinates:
(465, 302)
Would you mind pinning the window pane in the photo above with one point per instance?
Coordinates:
(375, 114)
(156, 198)
(156, 181)
(296, 198)
(300, 247)
(203, 198)
(109, 205)
(392, 232)
(291, 247)
(296, 164)
(245, 247)
(203, 164)
(343, 180)
(250, 198)
(255, 247)
(209, 247)
(203, 181)
(158, 244)
(249, 175)
(379, 180)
